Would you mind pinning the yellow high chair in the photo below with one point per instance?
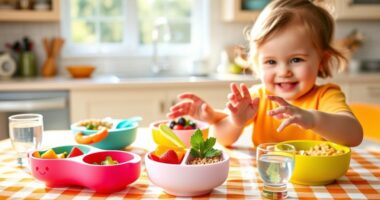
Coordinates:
(369, 117)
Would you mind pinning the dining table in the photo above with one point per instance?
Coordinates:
(361, 181)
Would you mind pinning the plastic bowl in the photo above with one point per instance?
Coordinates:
(187, 180)
(116, 139)
(81, 71)
(184, 135)
(80, 170)
(318, 170)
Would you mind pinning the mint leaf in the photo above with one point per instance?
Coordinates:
(203, 148)
(209, 143)
(212, 153)
(194, 153)
(197, 139)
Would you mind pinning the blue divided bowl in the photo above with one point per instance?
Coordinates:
(116, 139)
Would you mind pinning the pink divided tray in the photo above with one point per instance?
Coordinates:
(79, 170)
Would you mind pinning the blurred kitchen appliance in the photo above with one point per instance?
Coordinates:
(53, 105)
(370, 66)
(8, 65)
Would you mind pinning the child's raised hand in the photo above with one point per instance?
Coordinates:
(241, 105)
(291, 114)
(193, 106)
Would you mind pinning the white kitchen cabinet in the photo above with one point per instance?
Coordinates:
(151, 104)
(118, 103)
(215, 96)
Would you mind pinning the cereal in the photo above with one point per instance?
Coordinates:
(95, 124)
(323, 149)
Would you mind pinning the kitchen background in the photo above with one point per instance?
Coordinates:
(221, 34)
(222, 24)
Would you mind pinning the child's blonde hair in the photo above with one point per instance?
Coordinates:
(316, 20)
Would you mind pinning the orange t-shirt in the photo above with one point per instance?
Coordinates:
(326, 98)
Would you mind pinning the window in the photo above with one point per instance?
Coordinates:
(134, 27)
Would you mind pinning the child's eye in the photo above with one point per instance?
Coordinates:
(296, 60)
(270, 62)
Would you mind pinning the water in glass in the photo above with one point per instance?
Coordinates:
(25, 131)
(275, 166)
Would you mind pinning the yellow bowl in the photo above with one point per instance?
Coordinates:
(318, 170)
(81, 71)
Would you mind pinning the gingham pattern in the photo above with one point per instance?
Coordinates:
(362, 181)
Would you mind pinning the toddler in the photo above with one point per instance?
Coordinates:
(290, 46)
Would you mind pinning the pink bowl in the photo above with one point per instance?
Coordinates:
(187, 180)
(184, 135)
(81, 172)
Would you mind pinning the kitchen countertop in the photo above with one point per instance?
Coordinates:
(108, 81)
(112, 81)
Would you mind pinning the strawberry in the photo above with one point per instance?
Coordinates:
(178, 127)
(169, 157)
(153, 156)
(188, 127)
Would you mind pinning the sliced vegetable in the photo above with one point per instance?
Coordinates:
(109, 161)
(93, 138)
(36, 154)
(75, 151)
(49, 154)
(62, 155)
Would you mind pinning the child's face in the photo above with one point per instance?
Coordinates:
(289, 63)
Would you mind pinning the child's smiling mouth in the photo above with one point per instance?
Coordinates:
(286, 86)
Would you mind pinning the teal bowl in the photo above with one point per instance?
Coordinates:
(118, 138)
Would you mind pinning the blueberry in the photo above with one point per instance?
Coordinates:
(182, 121)
(192, 124)
(172, 124)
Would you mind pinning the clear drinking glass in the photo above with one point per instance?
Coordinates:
(275, 163)
(25, 132)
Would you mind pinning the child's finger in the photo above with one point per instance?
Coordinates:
(278, 99)
(175, 114)
(281, 110)
(189, 96)
(231, 108)
(245, 91)
(286, 123)
(235, 90)
(232, 98)
(279, 116)
(181, 106)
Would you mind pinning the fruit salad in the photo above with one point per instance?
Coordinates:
(171, 152)
(51, 154)
(182, 124)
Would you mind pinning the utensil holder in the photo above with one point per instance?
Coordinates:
(28, 64)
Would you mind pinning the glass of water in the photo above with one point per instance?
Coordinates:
(25, 132)
(275, 163)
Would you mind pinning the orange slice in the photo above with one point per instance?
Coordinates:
(160, 150)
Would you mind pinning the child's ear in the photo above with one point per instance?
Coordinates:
(325, 57)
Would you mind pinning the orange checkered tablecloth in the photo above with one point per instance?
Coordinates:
(362, 181)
